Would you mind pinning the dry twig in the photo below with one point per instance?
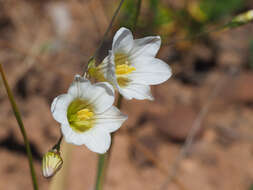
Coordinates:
(219, 86)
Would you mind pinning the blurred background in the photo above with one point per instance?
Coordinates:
(44, 43)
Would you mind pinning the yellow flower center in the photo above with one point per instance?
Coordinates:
(84, 114)
(122, 68)
(80, 115)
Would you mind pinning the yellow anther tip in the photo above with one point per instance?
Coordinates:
(124, 69)
(84, 114)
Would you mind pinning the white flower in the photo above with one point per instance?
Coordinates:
(131, 65)
(87, 114)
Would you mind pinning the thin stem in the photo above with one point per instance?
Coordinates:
(21, 126)
(105, 35)
(103, 159)
(101, 171)
(108, 28)
(57, 146)
(137, 14)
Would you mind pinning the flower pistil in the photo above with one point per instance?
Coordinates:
(80, 115)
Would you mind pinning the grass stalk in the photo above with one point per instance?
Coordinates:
(103, 159)
(101, 171)
(21, 127)
(137, 14)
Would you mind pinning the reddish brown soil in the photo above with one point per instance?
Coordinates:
(148, 144)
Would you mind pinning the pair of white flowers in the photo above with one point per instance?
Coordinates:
(86, 113)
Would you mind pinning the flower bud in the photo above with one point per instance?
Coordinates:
(51, 163)
(241, 19)
(95, 72)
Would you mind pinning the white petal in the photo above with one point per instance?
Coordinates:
(59, 108)
(98, 140)
(71, 136)
(137, 91)
(111, 120)
(104, 66)
(107, 67)
(122, 41)
(79, 86)
(150, 71)
(100, 96)
(147, 46)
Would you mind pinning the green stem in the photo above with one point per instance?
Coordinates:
(138, 10)
(104, 37)
(57, 146)
(21, 126)
(108, 29)
(103, 159)
(101, 171)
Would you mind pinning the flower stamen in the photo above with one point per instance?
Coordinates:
(124, 69)
(80, 115)
(84, 114)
